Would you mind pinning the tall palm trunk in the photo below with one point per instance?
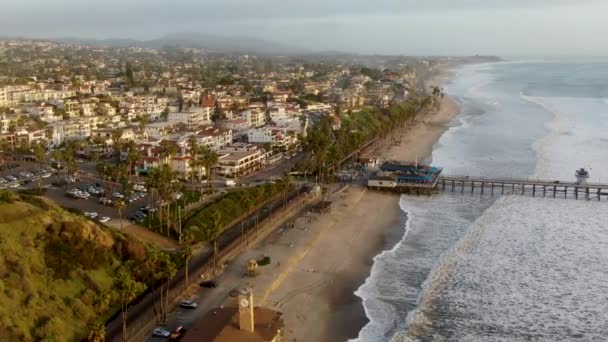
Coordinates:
(215, 252)
(124, 308)
(162, 310)
(187, 279)
(167, 298)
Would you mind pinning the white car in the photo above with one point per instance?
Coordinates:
(91, 214)
(161, 332)
(46, 175)
(104, 219)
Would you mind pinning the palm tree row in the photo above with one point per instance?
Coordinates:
(202, 156)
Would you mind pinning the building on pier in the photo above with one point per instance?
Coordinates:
(405, 177)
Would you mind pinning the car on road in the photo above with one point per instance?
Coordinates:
(161, 332)
(208, 284)
(46, 175)
(91, 214)
(105, 201)
(177, 334)
(14, 185)
(138, 216)
(104, 219)
(188, 304)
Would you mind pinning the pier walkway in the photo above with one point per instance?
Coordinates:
(541, 188)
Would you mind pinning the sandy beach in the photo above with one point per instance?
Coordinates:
(319, 262)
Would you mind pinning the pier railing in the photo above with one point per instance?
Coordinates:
(523, 185)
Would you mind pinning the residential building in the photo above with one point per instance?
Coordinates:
(193, 117)
(238, 163)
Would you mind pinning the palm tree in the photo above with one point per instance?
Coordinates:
(117, 143)
(97, 330)
(195, 158)
(5, 146)
(209, 158)
(133, 156)
(167, 150)
(120, 205)
(40, 155)
(152, 264)
(247, 202)
(102, 302)
(168, 270)
(187, 254)
(212, 234)
(260, 196)
(126, 288)
(285, 185)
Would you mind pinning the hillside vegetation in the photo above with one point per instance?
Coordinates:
(56, 271)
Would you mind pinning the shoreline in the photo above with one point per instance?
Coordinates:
(318, 263)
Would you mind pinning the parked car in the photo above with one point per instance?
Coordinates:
(188, 304)
(161, 332)
(105, 201)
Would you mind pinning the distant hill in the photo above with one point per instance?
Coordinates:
(54, 264)
(218, 44)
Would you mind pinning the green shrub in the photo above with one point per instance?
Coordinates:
(7, 196)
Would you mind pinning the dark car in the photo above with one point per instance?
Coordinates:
(208, 284)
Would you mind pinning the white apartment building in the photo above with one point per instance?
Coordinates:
(254, 117)
(4, 124)
(194, 117)
(238, 163)
(214, 137)
(67, 130)
(3, 97)
(273, 136)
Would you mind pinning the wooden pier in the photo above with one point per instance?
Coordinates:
(536, 188)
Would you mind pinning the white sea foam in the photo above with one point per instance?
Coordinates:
(526, 268)
(529, 268)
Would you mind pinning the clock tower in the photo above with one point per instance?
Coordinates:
(245, 302)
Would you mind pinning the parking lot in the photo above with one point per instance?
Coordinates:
(17, 174)
(95, 199)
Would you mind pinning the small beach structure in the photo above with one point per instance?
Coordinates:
(242, 322)
(405, 178)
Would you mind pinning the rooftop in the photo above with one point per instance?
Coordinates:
(222, 325)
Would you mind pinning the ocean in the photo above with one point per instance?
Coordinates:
(472, 267)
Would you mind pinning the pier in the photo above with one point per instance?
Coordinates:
(413, 178)
(536, 188)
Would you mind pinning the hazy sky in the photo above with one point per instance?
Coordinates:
(503, 27)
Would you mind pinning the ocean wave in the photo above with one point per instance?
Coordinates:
(420, 320)
(537, 280)
(381, 319)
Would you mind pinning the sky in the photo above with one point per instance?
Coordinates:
(415, 27)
